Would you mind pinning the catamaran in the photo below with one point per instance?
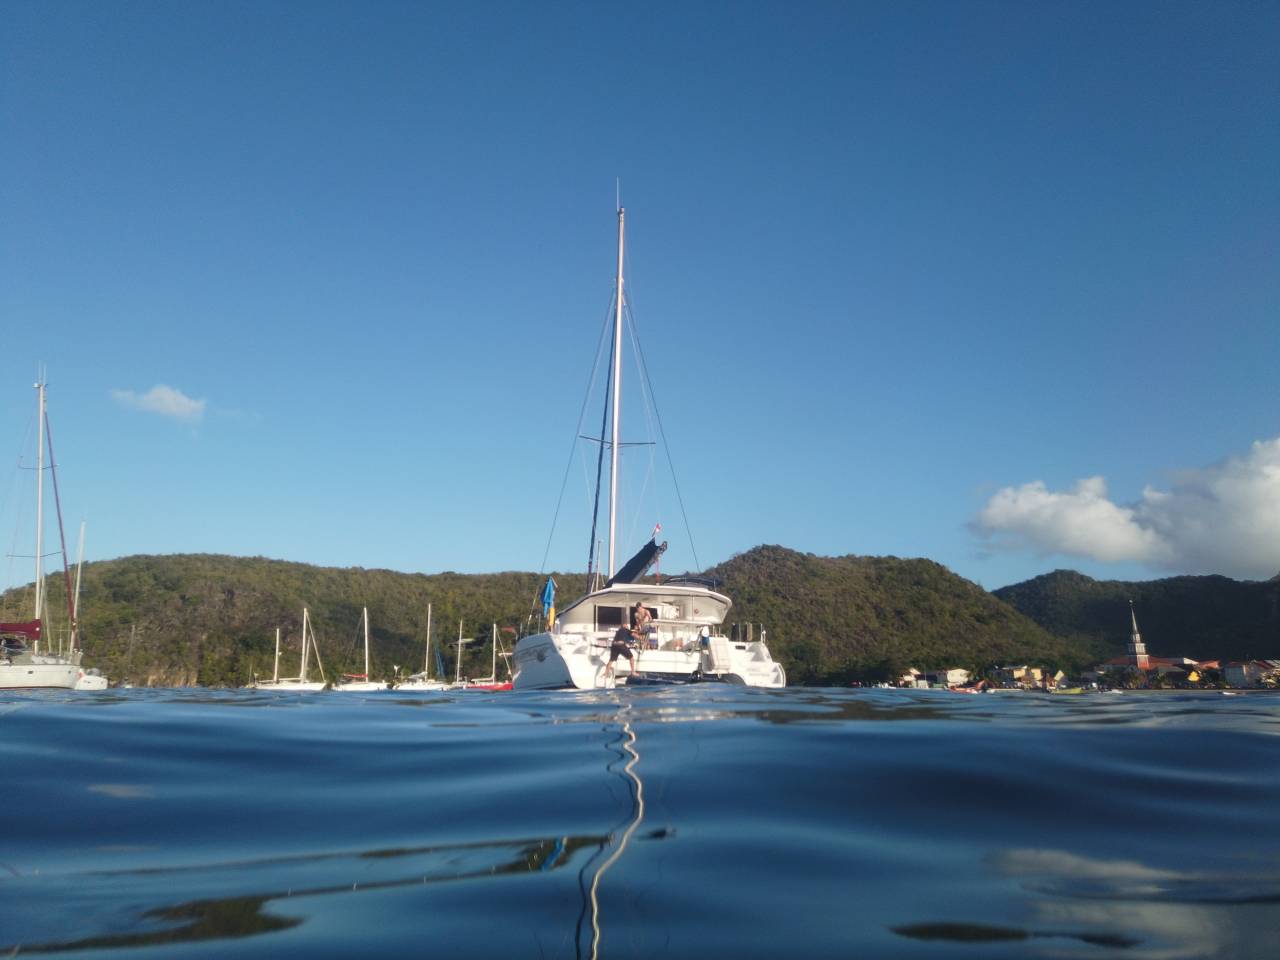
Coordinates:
(360, 682)
(681, 641)
(22, 664)
(300, 683)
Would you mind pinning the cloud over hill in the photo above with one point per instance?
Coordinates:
(1223, 518)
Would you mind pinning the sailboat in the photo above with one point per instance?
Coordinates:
(682, 640)
(22, 664)
(360, 682)
(490, 683)
(300, 683)
(424, 681)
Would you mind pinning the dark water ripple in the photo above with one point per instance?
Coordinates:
(650, 823)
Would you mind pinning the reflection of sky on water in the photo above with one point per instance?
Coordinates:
(1172, 913)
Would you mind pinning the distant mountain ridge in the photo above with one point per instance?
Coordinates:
(1203, 617)
(200, 618)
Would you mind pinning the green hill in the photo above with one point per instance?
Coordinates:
(834, 619)
(185, 619)
(201, 618)
(1201, 617)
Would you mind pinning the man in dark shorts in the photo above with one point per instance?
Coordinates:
(619, 648)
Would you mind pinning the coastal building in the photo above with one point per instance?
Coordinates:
(1022, 675)
(1251, 673)
(953, 677)
(1177, 669)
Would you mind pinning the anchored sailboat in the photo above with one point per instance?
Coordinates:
(675, 625)
(360, 682)
(424, 681)
(22, 664)
(490, 683)
(301, 683)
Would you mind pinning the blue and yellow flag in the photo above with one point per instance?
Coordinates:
(549, 602)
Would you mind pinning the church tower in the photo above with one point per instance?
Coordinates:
(1137, 649)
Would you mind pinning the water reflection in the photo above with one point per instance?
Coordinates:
(627, 750)
(1156, 913)
(798, 821)
(243, 915)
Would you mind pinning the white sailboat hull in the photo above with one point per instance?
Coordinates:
(360, 686)
(289, 686)
(35, 672)
(424, 686)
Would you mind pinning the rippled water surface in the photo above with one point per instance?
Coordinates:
(696, 821)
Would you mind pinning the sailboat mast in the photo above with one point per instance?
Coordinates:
(617, 394)
(306, 617)
(275, 669)
(40, 500)
(493, 670)
(426, 659)
(366, 643)
(457, 673)
(75, 607)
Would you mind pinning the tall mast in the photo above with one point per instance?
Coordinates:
(426, 660)
(275, 669)
(305, 619)
(457, 671)
(617, 394)
(75, 607)
(366, 643)
(40, 500)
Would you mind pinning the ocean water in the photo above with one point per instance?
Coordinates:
(681, 822)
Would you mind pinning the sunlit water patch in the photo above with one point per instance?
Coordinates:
(696, 821)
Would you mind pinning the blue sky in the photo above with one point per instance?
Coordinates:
(907, 276)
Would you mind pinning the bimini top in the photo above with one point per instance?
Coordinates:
(639, 565)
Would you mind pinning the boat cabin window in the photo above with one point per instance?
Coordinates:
(610, 618)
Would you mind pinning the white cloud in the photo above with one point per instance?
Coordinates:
(163, 400)
(1223, 518)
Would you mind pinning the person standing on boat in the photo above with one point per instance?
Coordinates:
(620, 647)
(640, 628)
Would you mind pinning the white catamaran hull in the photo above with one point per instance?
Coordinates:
(549, 661)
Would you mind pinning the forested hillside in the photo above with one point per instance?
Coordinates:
(202, 618)
(1199, 617)
(186, 619)
(836, 619)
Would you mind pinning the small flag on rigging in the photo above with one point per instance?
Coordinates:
(549, 602)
